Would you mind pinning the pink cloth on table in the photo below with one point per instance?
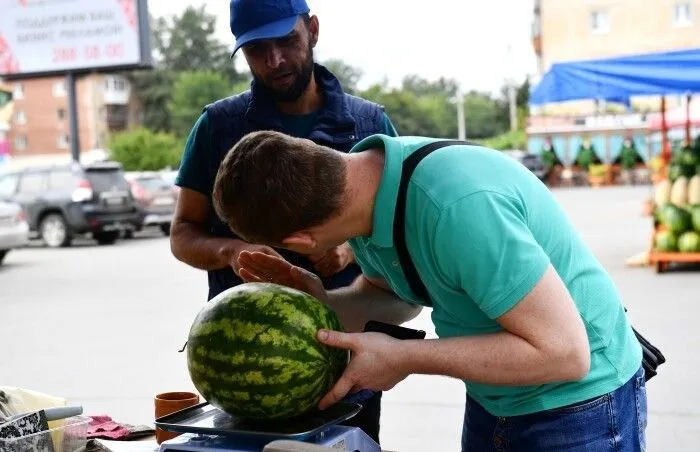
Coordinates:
(105, 427)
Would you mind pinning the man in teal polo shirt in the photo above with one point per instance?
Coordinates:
(525, 314)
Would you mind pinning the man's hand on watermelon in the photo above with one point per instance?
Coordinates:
(333, 260)
(378, 363)
(263, 267)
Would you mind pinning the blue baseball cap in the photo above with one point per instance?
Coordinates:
(252, 20)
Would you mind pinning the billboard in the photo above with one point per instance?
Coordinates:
(42, 37)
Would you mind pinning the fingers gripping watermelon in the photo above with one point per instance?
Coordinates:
(252, 352)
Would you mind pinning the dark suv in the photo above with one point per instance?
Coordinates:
(62, 201)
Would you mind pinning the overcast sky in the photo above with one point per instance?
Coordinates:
(464, 39)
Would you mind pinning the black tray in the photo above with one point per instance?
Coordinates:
(207, 420)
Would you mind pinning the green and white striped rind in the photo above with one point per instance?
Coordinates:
(252, 351)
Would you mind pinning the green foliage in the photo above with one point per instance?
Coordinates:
(144, 150)
(506, 141)
(191, 92)
(187, 42)
(429, 108)
(154, 89)
(181, 43)
(347, 75)
(486, 117)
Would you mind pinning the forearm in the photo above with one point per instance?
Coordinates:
(363, 301)
(498, 359)
(192, 245)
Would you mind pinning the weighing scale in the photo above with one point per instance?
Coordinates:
(208, 429)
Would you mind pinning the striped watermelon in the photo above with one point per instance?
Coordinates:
(252, 352)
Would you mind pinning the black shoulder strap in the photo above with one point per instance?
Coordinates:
(409, 165)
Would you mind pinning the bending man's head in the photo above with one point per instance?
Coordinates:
(271, 185)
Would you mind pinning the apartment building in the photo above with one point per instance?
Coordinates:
(566, 30)
(40, 123)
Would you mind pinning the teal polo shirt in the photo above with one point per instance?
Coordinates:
(481, 230)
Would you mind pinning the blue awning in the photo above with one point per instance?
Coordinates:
(618, 79)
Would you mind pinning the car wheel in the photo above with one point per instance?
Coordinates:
(129, 234)
(106, 238)
(54, 231)
(3, 253)
(165, 228)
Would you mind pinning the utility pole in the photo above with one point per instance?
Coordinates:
(461, 128)
(512, 101)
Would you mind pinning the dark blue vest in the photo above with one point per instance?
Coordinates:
(341, 123)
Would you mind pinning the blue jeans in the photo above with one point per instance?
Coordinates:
(612, 422)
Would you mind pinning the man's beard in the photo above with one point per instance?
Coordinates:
(301, 82)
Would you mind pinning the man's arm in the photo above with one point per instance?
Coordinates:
(190, 242)
(544, 340)
(484, 245)
(367, 299)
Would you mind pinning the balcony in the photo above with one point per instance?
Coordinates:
(116, 90)
(116, 97)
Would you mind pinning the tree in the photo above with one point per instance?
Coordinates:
(144, 150)
(485, 116)
(187, 43)
(153, 89)
(347, 75)
(422, 87)
(411, 114)
(192, 91)
(180, 43)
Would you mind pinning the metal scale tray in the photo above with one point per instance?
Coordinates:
(204, 419)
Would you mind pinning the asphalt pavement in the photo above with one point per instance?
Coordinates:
(102, 326)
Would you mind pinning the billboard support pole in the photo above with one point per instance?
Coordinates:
(73, 115)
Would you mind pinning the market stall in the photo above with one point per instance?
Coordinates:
(675, 208)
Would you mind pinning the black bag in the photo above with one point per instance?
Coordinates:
(651, 356)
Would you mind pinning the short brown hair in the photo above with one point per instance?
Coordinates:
(271, 185)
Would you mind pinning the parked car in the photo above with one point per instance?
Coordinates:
(155, 199)
(170, 176)
(62, 201)
(533, 162)
(14, 230)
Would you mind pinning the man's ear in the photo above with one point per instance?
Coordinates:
(301, 239)
(313, 30)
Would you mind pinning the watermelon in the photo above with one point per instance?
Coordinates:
(689, 242)
(676, 170)
(252, 352)
(695, 217)
(662, 210)
(677, 220)
(665, 241)
(688, 158)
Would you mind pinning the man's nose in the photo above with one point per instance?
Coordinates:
(274, 57)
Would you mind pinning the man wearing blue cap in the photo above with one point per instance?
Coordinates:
(291, 94)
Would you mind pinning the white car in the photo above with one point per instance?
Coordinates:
(14, 230)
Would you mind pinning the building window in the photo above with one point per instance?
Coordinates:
(20, 142)
(600, 22)
(18, 92)
(61, 113)
(20, 117)
(115, 83)
(682, 14)
(63, 141)
(59, 89)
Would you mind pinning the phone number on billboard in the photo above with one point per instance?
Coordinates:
(88, 53)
